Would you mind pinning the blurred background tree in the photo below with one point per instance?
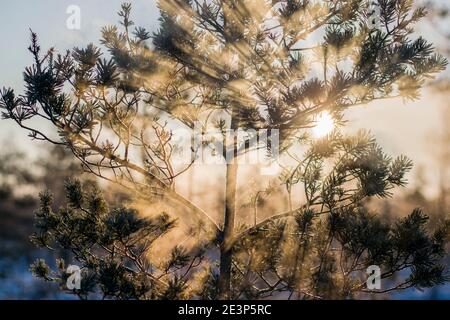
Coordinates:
(21, 178)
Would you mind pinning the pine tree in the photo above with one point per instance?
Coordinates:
(111, 244)
(248, 65)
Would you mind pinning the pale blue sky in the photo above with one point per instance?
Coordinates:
(48, 19)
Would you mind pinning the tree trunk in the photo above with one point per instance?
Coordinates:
(226, 251)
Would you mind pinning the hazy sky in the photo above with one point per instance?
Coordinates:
(48, 19)
(409, 129)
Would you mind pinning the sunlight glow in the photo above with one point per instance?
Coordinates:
(324, 125)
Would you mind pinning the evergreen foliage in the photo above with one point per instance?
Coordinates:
(112, 245)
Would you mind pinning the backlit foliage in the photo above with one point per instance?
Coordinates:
(228, 64)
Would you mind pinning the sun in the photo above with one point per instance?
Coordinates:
(324, 124)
